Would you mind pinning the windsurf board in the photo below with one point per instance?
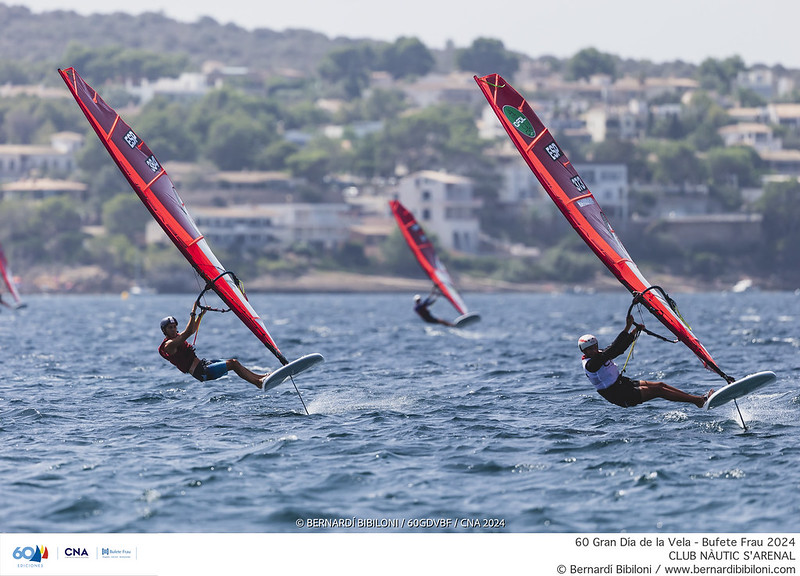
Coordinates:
(740, 388)
(285, 372)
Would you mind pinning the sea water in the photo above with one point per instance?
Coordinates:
(411, 426)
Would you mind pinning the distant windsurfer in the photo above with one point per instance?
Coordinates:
(621, 390)
(421, 308)
(176, 350)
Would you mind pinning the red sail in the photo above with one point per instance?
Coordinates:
(426, 255)
(8, 279)
(153, 186)
(572, 196)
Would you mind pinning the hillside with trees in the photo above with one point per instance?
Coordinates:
(245, 123)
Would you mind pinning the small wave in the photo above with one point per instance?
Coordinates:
(333, 403)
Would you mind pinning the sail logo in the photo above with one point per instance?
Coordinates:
(153, 164)
(578, 183)
(31, 553)
(553, 151)
(131, 139)
(519, 121)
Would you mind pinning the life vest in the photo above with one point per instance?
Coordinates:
(606, 376)
(182, 358)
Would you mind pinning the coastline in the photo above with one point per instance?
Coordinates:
(94, 280)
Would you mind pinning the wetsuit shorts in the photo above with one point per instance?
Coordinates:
(624, 392)
(210, 370)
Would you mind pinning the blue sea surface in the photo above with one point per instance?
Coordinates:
(409, 423)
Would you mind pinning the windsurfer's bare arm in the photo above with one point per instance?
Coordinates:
(191, 327)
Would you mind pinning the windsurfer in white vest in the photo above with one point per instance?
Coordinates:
(621, 390)
(421, 308)
(176, 350)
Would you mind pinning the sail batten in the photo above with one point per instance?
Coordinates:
(157, 192)
(573, 198)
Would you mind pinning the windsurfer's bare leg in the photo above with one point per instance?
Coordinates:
(244, 373)
(652, 390)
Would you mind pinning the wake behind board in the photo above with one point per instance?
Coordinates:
(285, 372)
(466, 320)
(740, 388)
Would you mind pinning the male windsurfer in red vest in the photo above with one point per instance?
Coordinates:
(421, 308)
(621, 390)
(176, 350)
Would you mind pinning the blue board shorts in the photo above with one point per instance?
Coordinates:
(210, 370)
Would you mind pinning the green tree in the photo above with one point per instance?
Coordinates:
(14, 72)
(235, 141)
(623, 152)
(125, 215)
(349, 68)
(162, 124)
(588, 62)
(718, 75)
(488, 56)
(382, 105)
(56, 226)
(739, 166)
(314, 162)
(406, 57)
(115, 63)
(677, 163)
(704, 117)
(438, 137)
(274, 155)
(780, 207)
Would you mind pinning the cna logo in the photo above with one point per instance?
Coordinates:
(76, 553)
(30, 553)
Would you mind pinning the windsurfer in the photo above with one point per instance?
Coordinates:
(176, 350)
(421, 308)
(621, 390)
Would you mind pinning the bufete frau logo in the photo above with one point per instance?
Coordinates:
(518, 121)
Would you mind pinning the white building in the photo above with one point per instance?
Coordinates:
(609, 185)
(444, 205)
(269, 226)
(517, 184)
(753, 134)
(24, 160)
(187, 86)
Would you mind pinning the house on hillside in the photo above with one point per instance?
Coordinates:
(609, 185)
(757, 136)
(445, 206)
(268, 227)
(24, 160)
(42, 188)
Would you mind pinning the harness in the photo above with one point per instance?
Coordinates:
(183, 357)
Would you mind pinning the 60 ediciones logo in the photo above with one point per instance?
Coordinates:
(30, 553)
